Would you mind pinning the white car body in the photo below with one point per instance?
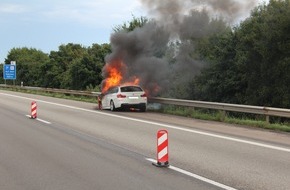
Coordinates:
(129, 96)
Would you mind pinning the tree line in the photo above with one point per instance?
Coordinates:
(249, 64)
(71, 67)
(245, 64)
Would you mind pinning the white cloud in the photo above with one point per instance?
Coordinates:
(12, 8)
(92, 12)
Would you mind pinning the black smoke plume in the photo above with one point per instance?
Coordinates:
(147, 53)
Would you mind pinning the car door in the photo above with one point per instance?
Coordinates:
(109, 96)
(112, 96)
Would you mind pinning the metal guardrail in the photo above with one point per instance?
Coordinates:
(54, 90)
(71, 92)
(266, 111)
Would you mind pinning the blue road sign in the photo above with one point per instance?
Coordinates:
(9, 72)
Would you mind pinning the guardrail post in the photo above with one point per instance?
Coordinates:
(267, 119)
(223, 115)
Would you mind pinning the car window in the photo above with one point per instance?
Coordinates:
(115, 90)
(112, 90)
(131, 89)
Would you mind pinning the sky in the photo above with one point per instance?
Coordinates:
(47, 24)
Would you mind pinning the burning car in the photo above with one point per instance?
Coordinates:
(124, 96)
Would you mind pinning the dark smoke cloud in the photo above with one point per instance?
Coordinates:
(145, 50)
(138, 51)
(174, 10)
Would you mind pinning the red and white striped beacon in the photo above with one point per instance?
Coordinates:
(162, 149)
(33, 110)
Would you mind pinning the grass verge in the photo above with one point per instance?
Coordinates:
(56, 95)
(213, 115)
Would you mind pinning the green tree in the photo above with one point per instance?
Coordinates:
(51, 75)
(83, 74)
(56, 72)
(28, 61)
(131, 25)
(223, 80)
(86, 73)
(251, 65)
(74, 66)
(267, 38)
(99, 52)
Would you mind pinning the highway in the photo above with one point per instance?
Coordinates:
(72, 145)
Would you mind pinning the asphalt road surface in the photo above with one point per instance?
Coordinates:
(72, 145)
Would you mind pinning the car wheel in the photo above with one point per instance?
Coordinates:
(112, 106)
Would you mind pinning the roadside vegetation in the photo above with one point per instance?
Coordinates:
(55, 95)
(250, 120)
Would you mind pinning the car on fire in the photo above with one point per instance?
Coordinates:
(126, 96)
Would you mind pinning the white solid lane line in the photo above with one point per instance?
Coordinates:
(41, 120)
(161, 125)
(209, 181)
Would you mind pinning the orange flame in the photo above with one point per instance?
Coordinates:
(115, 75)
(134, 81)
